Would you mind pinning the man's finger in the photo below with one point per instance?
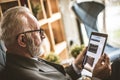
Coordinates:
(101, 59)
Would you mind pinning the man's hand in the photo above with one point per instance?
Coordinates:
(102, 69)
(79, 60)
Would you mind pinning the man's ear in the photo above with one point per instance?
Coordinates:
(21, 40)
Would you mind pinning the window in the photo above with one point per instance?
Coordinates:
(110, 21)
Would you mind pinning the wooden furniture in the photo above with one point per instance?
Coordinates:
(49, 16)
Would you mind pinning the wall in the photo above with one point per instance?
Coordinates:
(69, 21)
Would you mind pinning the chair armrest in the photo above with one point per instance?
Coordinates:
(114, 55)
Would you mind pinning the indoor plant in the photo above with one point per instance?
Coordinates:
(76, 49)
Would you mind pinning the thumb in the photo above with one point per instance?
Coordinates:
(101, 59)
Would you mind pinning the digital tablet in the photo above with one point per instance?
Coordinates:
(97, 42)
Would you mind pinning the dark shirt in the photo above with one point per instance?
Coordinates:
(22, 68)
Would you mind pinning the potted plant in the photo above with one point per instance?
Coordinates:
(52, 57)
(76, 49)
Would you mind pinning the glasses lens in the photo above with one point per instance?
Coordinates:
(41, 31)
(42, 34)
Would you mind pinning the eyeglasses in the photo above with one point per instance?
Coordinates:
(41, 31)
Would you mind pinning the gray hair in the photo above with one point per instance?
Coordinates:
(12, 23)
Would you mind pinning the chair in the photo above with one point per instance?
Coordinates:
(2, 55)
(87, 12)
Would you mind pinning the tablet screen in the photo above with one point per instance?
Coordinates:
(96, 46)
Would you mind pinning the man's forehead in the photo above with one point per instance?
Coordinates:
(33, 21)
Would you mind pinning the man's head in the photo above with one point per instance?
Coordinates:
(21, 30)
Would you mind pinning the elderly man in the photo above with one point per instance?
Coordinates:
(23, 36)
